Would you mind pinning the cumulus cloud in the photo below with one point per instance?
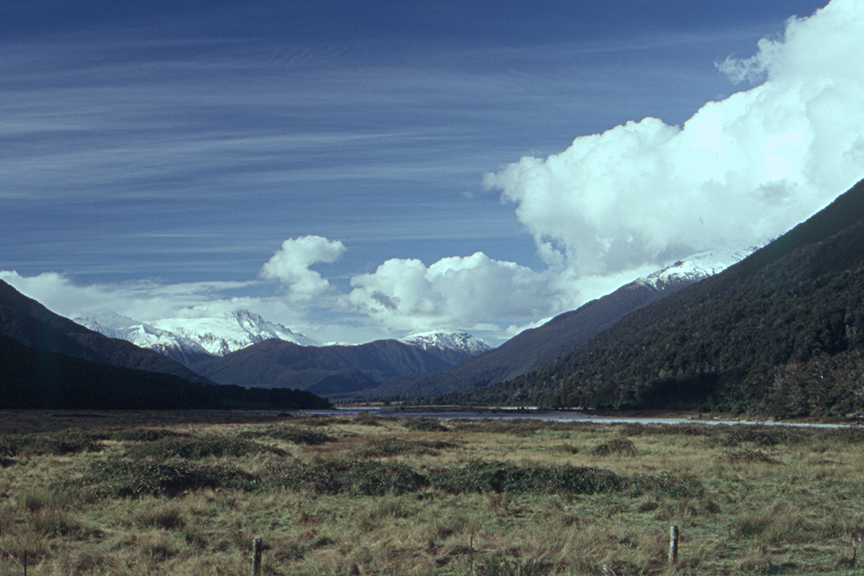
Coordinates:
(739, 172)
(456, 293)
(290, 265)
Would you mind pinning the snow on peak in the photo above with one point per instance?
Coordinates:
(143, 335)
(220, 335)
(456, 341)
(213, 336)
(696, 266)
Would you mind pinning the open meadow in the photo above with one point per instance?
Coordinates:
(353, 495)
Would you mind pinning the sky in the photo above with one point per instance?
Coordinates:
(365, 170)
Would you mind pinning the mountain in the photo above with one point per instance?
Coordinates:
(189, 340)
(460, 343)
(44, 379)
(39, 379)
(780, 333)
(332, 370)
(50, 362)
(33, 325)
(183, 350)
(535, 347)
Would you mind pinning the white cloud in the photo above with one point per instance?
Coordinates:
(456, 293)
(290, 266)
(739, 172)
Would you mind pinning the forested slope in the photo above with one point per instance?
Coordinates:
(781, 332)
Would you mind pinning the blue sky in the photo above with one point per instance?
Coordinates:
(359, 170)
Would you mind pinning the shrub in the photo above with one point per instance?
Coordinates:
(355, 477)
(57, 444)
(484, 477)
(195, 448)
(144, 434)
(424, 425)
(117, 478)
(615, 446)
(763, 435)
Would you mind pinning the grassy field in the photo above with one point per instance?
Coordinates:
(334, 495)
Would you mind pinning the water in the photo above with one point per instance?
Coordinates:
(549, 415)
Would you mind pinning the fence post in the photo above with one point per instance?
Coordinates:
(256, 557)
(673, 545)
(25, 562)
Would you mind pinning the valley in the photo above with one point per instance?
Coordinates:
(360, 494)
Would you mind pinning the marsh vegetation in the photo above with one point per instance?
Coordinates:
(340, 495)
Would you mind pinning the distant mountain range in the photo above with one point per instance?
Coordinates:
(536, 347)
(338, 370)
(188, 340)
(244, 349)
(781, 332)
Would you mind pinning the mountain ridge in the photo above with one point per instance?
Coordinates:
(534, 347)
(781, 332)
(326, 369)
(32, 324)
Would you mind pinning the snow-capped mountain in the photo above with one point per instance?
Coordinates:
(192, 339)
(230, 332)
(696, 267)
(145, 335)
(456, 341)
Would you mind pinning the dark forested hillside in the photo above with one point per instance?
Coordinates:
(47, 361)
(30, 323)
(781, 332)
(33, 378)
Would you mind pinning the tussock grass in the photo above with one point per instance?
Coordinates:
(623, 446)
(292, 434)
(371, 495)
(194, 448)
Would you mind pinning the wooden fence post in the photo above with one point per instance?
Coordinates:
(673, 545)
(25, 562)
(256, 557)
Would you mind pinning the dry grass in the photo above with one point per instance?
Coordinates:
(366, 495)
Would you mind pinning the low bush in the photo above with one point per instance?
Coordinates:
(482, 477)
(55, 444)
(424, 425)
(119, 478)
(623, 446)
(369, 478)
(196, 448)
(763, 435)
(144, 434)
